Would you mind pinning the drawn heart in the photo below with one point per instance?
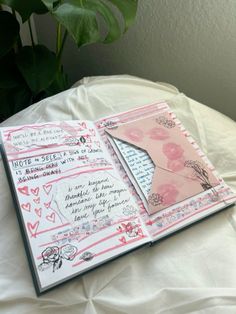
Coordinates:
(38, 211)
(122, 239)
(47, 188)
(35, 191)
(36, 200)
(47, 205)
(51, 217)
(33, 228)
(26, 207)
(24, 190)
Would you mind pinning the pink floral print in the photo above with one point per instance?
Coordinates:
(168, 193)
(158, 134)
(172, 151)
(134, 134)
(176, 165)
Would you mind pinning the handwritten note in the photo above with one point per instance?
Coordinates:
(75, 208)
(50, 134)
(139, 163)
(93, 197)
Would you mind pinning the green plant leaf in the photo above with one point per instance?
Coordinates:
(22, 98)
(9, 31)
(80, 18)
(38, 66)
(80, 22)
(128, 9)
(26, 7)
(9, 75)
(59, 84)
(6, 104)
(13, 100)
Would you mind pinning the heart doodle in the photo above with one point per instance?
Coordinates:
(51, 217)
(38, 211)
(47, 205)
(47, 188)
(35, 191)
(26, 207)
(24, 190)
(32, 228)
(36, 200)
(122, 239)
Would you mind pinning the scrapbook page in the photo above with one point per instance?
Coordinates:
(175, 183)
(87, 192)
(74, 209)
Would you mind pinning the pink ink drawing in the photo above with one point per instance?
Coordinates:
(24, 190)
(38, 212)
(83, 125)
(47, 188)
(47, 205)
(51, 217)
(26, 207)
(36, 200)
(134, 134)
(122, 239)
(132, 229)
(158, 134)
(172, 151)
(35, 191)
(32, 228)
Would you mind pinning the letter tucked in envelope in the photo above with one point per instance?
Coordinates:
(162, 164)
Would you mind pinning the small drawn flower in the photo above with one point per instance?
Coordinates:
(172, 151)
(169, 193)
(50, 254)
(155, 199)
(129, 210)
(68, 252)
(168, 123)
(132, 229)
(158, 134)
(161, 120)
(87, 256)
(53, 256)
(134, 134)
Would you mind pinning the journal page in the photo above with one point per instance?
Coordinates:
(173, 182)
(75, 210)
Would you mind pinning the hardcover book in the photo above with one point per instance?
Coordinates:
(88, 192)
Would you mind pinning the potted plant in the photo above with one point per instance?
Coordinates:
(31, 73)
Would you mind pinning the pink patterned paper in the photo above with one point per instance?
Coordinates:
(180, 172)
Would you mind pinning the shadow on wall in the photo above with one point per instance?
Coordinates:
(190, 44)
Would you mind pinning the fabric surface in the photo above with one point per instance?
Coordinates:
(192, 271)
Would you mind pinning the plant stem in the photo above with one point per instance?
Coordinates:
(31, 33)
(59, 55)
(58, 38)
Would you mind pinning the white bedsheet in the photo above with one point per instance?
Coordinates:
(193, 271)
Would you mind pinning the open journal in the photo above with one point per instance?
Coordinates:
(87, 192)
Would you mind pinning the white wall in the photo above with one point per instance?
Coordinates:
(188, 43)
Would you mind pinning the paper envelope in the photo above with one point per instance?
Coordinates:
(180, 172)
